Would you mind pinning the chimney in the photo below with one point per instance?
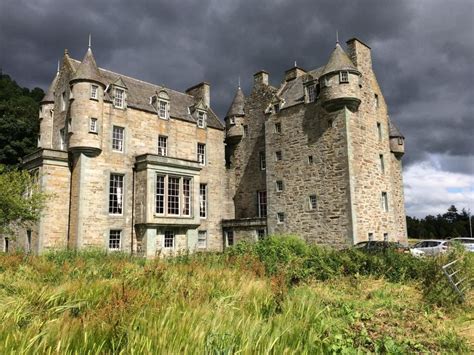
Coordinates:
(294, 73)
(360, 54)
(260, 78)
(201, 91)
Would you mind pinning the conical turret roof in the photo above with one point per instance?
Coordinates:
(88, 69)
(49, 96)
(338, 61)
(394, 131)
(237, 106)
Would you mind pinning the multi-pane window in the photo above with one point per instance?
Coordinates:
(384, 202)
(278, 127)
(163, 110)
(62, 139)
(202, 239)
(312, 202)
(382, 163)
(229, 236)
(280, 217)
(379, 131)
(160, 194)
(117, 138)
(311, 93)
(173, 195)
(278, 155)
(186, 196)
(116, 194)
(343, 77)
(163, 145)
(94, 92)
(119, 98)
(263, 162)
(279, 186)
(262, 203)
(115, 237)
(201, 153)
(203, 200)
(201, 121)
(93, 125)
(168, 241)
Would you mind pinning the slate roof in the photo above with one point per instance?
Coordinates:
(238, 104)
(394, 132)
(292, 92)
(88, 70)
(139, 93)
(338, 61)
(49, 96)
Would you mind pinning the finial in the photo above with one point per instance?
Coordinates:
(337, 36)
(66, 52)
(295, 64)
(58, 68)
(90, 40)
(239, 81)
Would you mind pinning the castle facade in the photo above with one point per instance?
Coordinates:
(141, 168)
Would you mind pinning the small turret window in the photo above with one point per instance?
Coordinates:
(93, 125)
(201, 120)
(400, 141)
(343, 77)
(94, 92)
(311, 92)
(119, 98)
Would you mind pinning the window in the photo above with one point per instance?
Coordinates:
(276, 108)
(246, 131)
(162, 146)
(311, 93)
(263, 161)
(62, 139)
(201, 121)
(343, 77)
(279, 186)
(186, 196)
(163, 109)
(168, 241)
(202, 240)
(63, 101)
(330, 123)
(160, 194)
(173, 195)
(117, 138)
(116, 194)
(201, 153)
(280, 217)
(310, 159)
(376, 100)
(203, 200)
(115, 236)
(385, 237)
(94, 92)
(5, 244)
(312, 202)
(232, 120)
(278, 127)
(278, 155)
(261, 234)
(382, 164)
(28, 241)
(229, 236)
(379, 131)
(39, 140)
(384, 202)
(119, 98)
(93, 125)
(400, 141)
(262, 203)
(371, 237)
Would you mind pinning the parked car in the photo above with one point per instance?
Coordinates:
(468, 243)
(378, 245)
(431, 247)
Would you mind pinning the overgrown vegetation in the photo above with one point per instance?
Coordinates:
(276, 296)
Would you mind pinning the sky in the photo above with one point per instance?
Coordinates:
(422, 54)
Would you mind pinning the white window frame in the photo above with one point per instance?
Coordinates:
(201, 153)
(203, 207)
(376, 99)
(263, 161)
(278, 155)
(201, 119)
(171, 205)
(280, 217)
(262, 204)
(227, 233)
(202, 239)
(163, 109)
(119, 98)
(162, 145)
(313, 202)
(93, 125)
(160, 197)
(117, 182)
(118, 139)
(279, 185)
(94, 92)
(343, 77)
(62, 138)
(110, 241)
(167, 236)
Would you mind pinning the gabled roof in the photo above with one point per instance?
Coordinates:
(88, 70)
(49, 96)
(238, 104)
(139, 93)
(394, 132)
(338, 61)
(292, 92)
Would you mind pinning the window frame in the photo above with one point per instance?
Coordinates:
(379, 131)
(278, 155)
(162, 148)
(62, 138)
(311, 93)
(120, 205)
(277, 128)
(93, 128)
(94, 92)
(382, 163)
(110, 241)
(201, 154)
(167, 236)
(227, 239)
(121, 139)
(119, 104)
(279, 186)
(262, 204)
(201, 119)
(385, 201)
(313, 202)
(203, 201)
(280, 217)
(343, 77)
(200, 244)
(263, 161)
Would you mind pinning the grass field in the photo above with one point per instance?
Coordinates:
(91, 302)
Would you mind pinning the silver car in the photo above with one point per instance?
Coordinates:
(430, 247)
(468, 243)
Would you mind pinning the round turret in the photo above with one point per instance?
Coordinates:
(397, 141)
(339, 83)
(46, 115)
(234, 117)
(86, 105)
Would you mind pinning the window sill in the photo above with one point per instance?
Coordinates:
(94, 99)
(92, 132)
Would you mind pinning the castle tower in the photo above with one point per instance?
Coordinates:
(46, 115)
(86, 103)
(233, 118)
(397, 140)
(339, 82)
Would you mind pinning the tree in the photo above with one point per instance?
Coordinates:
(19, 124)
(21, 201)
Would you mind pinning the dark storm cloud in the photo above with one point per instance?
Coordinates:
(422, 51)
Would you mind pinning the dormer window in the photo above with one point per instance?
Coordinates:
(119, 98)
(311, 93)
(343, 77)
(201, 119)
(94, 92)
(232, 120)
(276, 108)
(163, 109)
(161, 103)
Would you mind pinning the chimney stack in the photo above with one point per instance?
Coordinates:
(260, 78)
(201, 91)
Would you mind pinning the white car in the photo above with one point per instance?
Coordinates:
(468, 243)
(430, 247)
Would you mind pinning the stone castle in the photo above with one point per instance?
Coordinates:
(141, 168)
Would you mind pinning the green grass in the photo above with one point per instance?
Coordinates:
(90, 302)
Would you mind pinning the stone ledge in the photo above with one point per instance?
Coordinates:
(37, 158)
(144, 160)
(244, 222)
